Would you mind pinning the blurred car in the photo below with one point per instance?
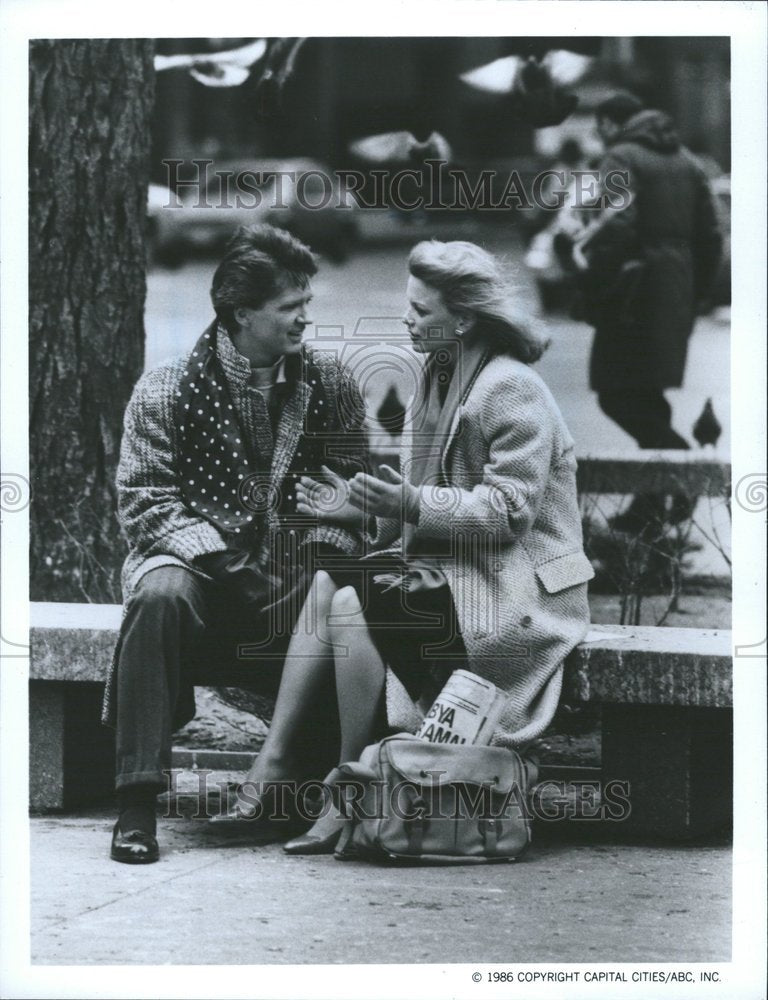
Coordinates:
(299, 195)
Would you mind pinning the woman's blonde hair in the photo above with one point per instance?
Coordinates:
(470, 280)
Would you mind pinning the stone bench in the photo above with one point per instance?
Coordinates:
(691, 472)
(665, 697)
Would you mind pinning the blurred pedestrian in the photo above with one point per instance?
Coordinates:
(649, 261)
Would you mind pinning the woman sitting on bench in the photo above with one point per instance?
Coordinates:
(475, 557)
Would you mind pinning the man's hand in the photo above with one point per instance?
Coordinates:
(387, 497)
(327, 501)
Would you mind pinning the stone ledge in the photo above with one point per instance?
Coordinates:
(653, 666)
(72, 642)
(211, 760)
(651, 471)
(615, 664)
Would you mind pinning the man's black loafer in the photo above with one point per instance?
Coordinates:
(136, 847)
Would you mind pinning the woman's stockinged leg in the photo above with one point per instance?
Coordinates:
(308, 666)
(360, 673)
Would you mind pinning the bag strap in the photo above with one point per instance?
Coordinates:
(530, 770)
(342, 845)
(351, 770)
(490, 830)
(416, 825)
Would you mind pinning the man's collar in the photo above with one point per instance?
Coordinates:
(237, 367)
(280, 373)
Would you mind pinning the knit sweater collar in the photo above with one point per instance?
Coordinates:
(236, 367)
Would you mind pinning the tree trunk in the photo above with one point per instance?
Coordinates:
(90, 104)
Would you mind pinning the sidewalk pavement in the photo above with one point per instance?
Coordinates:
(575, 897)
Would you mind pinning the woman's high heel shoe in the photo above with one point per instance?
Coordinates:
(316, 842)
(323, 836)
(253, 812)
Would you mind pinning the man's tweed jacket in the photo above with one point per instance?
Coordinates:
(518, 576)
(161, 529)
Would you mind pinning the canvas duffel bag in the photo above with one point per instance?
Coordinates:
(423, 802)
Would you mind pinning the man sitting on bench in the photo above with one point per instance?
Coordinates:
(212, 448)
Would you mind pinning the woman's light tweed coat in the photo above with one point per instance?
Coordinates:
(521, 597)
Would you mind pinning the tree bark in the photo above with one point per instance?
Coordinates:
(90, 104)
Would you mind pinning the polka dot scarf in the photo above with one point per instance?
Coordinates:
(222, 479)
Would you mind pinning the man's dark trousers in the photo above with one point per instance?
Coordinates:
(180, 627)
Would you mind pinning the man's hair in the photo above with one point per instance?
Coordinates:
(619, 108)
(259, 263)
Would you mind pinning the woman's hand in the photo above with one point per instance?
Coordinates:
(387, 497)
(328, 501)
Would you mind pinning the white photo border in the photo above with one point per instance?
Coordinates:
(745, 23)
